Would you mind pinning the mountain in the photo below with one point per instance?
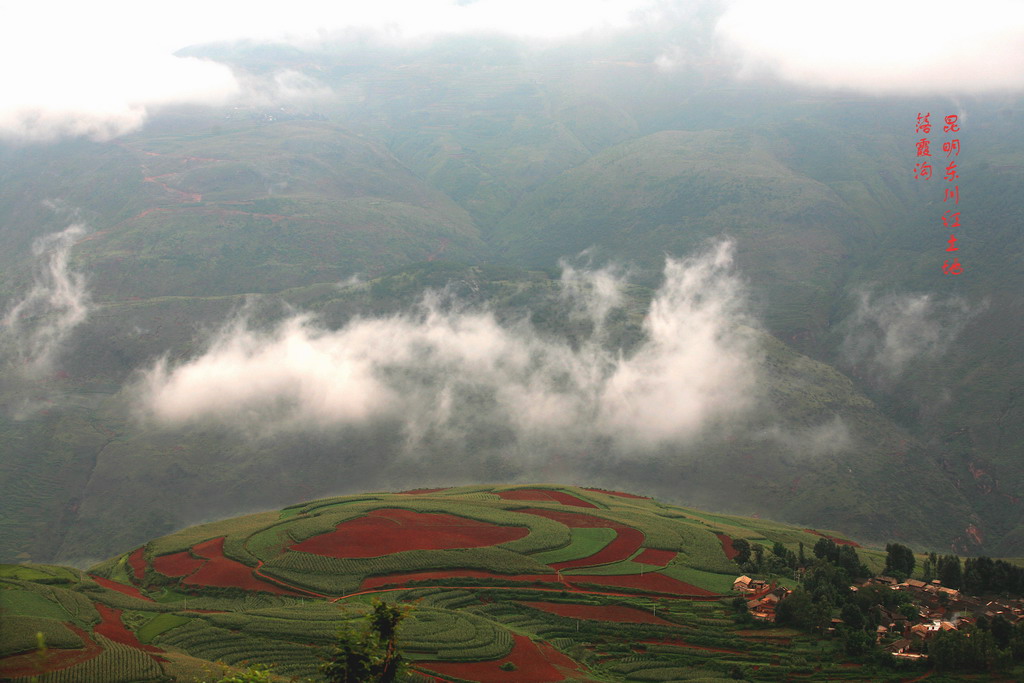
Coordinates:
(564, 583)
(525, 233)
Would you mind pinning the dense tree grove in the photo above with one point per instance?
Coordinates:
(825, 590)
(899, 561)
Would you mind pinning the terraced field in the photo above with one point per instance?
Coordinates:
(532, 583)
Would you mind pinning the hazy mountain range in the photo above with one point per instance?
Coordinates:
(480, 262)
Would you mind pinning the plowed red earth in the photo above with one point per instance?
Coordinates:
(177, 564)
(119, 587)
(535, 663)
(138, 564)
(652, 582)
(683, 643)
(659, 558)
(382, 532)
(618, 613)
(620, 494)
(730, 552)
(30, 664)
(112, 627)
(545, 495)
(837, 541)
(224, 572)
(626, 542)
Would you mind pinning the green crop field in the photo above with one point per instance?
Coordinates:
(469, 605)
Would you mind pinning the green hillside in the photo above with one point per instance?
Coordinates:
(474, 169)
(566, 583)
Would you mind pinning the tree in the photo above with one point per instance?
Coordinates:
(742, 548)
(899, 559)
(370, 655)
(257, 673)
(796, 609)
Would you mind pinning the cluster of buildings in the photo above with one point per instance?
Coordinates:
(938, 609)
(762, 596)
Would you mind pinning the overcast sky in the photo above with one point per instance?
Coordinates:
(97, 68)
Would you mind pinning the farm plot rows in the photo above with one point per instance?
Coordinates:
(386, 531)
(535, 662)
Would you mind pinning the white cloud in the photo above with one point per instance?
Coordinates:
(34, 329)
(444, 372)
(878, 46)
(886, 334)
(99, 68)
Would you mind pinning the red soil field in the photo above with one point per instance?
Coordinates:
(112, 627)
(177, 564)
(545, 495)
(659, 558)
(387, 531)
(29, 664)
(138, 563)
(620, 494)
(618, 613)
(417, 491)
(119, 587)
(627, 540)
(837, 541)
(535, 663)
(683, 643)
(225, 572)
(573, 520)
(730, 552)
(652, 581)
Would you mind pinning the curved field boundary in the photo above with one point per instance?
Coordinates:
(423, 491)
(223, 572)
(834, 539)
(30, 663)
(727, 547)
(177, 565)
(583, 542)
(652, 583)
(692, 646)
(619, 613)
(534, 662)
(627, 540)
(657, 558)
(620, 494)
(390, 530)
(120, 587)
(546, 496)
(113, 628)
(137, 561)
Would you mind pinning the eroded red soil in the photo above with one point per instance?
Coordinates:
(112, 627)
(659, 558)
(137, 561)
(386, 531)
(620, 494)
(534, 662)
(119, 587)
(222, 571)
(730, 552)
(177, 564)
(31, 664)
(546, 496)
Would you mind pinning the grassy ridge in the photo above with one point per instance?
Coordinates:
(471, 617)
